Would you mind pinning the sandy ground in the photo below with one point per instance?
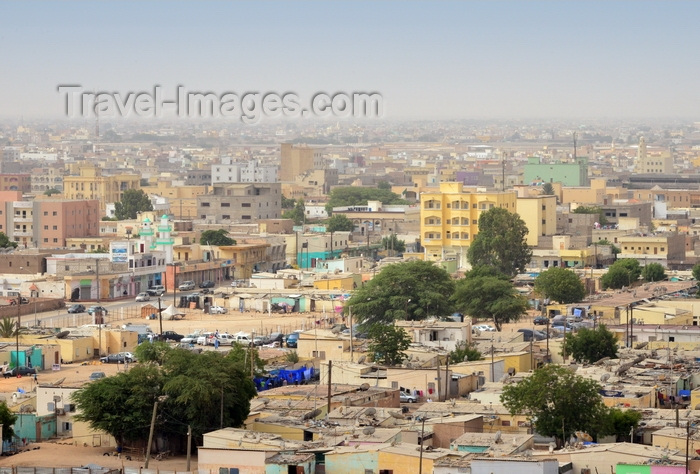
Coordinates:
(64, 454)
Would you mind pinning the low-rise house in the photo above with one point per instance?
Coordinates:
(442, 334)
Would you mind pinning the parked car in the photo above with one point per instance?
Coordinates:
(191, 338)
(119, 358)
(218, 310)
(261, 340)
(93, 309)
(22, 371)
(207, 284)
(23, 300)
(273, 345)
(186, 286)
(531, 334)
(157, 290)
(97, 375)
(541, 320)
(484, 327)
(205, 338)
(292, 340)
(277, 337)
(76, 308)
(143, 297)
(243, 339)
(172, 336)
(406, 398)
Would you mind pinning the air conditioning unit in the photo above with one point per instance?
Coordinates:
(60, 411)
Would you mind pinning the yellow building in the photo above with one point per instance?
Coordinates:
(90, 184)
(449, 219)
(540, 216)
(182, 199)
(335, 282)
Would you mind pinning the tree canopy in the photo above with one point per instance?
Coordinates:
(623, 272)
(592, 210)
(590, 345)
(356, 196)
(7, 419)
(501, 242)
(387, 344)
(464, 352)
(548, 189)
(216, 237)
(484, 294)
(557, 401)
(297, 213)
(393, 243)
(133, 201)
(403, 291)
(339, 223)
(561, 285)
(5, 242)
(653, 272)
(696, 271)
(200, 390)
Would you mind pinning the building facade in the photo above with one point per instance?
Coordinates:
(241, 203)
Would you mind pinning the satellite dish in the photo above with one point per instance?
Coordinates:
(368, 431)
(335, 330)
(364, 387)
(396, 415)
(604, 377)
(361, 359)
(370, 411)
(62, 335)
(504, 378)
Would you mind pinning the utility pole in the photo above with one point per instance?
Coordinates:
(160, 318)
(330, 369)
(447, 379)
(189, 446)
(352, 349)
(439, 379)
(99, 322)
(503, 172)
(420, 459)
(150, 434)
(19, 302)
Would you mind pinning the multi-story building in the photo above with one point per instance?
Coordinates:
(16, 182)
(241, 202)
(569, 174)
(295, 160)
(91, 184)
(252, 171)
(449, 219)
(47, 223)
(667, 249)
(540, 216)
(657, 163)
(44, 179)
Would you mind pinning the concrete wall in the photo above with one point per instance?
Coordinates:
(351, 463)
(248, 462)
(445, 433)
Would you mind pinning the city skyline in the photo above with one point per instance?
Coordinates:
(478, 60)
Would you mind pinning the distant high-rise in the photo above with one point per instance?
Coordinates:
(658, 163)
(295, 160)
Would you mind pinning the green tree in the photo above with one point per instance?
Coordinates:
(297, 214)
(8, 328)
(384, 185)
(339, 223)
(561, 285)
(133, 201)
(494, 298)
(590, 345)
(557, 401)
(5, 241)
(548, 189)
(356, 195)
(501, 242)
(393, 243)
(623, 272)
(120, 403)
(288, 203)
(696, 272)
(464, 352)
(216, 237)
(387, 344)
(7, 420)
(51, 192)
(653, 272)
(403, 291)
(156, 351)
(619, 423)
(613, 248)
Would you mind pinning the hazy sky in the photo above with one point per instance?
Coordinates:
(429, 60)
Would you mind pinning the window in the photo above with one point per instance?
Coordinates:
(55, 227)
(226, 216)
(475, 222)
(245, 217)
(55, 240)
(206, 204)
(245, 204)
(225, 204)
(54, 213)
(46, 227)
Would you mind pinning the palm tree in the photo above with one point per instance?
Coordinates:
(8, 328)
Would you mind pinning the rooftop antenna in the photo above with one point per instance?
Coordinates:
(574, 146)
(503, 172)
